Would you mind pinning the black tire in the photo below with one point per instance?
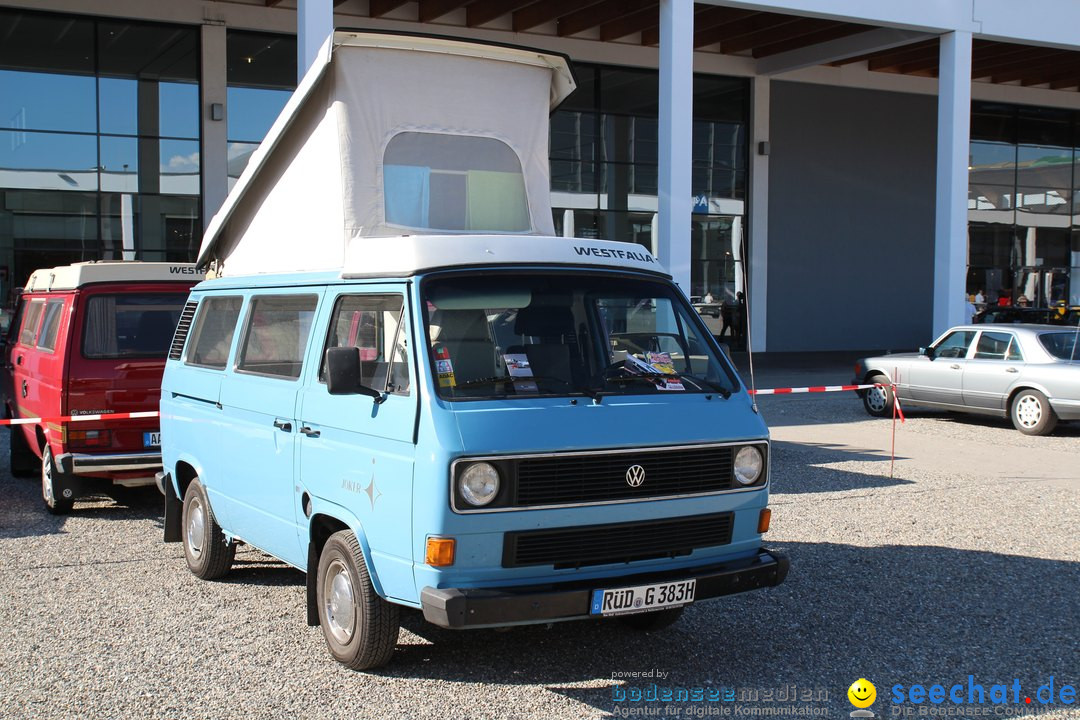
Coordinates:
(361, 629)
(209, 555)
(656, 620)
(1031, 413)
(878, 401)
(24, 463)
(57, 495)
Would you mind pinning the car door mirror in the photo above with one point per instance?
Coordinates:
(345, 372)
(927, 351)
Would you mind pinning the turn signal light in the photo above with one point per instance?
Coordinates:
(440, 552)
(89, 438)
(763, 520)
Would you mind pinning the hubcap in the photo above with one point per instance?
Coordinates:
(1029, 411)
(196, 526)
(46, 477)
(877, 399)
(339, 606)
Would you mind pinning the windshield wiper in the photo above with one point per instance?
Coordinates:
(723, 391)
(532, 378)
(651, 376)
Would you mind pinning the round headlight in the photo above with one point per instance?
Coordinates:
(748, 465)
(479, 484)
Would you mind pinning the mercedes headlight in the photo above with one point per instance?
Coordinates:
(479, 484)
(749, 464)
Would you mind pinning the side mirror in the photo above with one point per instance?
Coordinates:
(344, 373)
(927, 351)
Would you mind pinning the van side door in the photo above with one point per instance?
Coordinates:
(259, 431)
(357, 453)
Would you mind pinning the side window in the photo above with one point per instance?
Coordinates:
(992, 346)
(30, 322)
(210, 342)
(372, 323)
(1014, 354)
(50, 325)
(955, 344)
(277, 333)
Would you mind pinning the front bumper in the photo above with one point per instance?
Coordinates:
(86, 464)
(460, 608)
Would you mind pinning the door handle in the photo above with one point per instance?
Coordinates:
(18, 360)
(1012, 370)
(954, 367)
(310, 431)
(283, 425)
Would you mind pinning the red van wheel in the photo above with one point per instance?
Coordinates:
(59, 498)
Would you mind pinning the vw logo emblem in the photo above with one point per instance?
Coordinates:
(635, 475)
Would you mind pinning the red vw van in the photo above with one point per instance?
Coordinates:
(91, 339)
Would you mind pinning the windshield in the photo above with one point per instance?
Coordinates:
(524, 335)
(1062, 345)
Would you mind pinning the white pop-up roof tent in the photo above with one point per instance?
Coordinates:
(394, 135)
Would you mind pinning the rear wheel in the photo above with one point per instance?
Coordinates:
(1031, 413)
(209, 555)
(656, 620)
(58, 496)
(879, 400)
(361, 629)
(24, 463)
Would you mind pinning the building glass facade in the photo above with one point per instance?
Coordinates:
(260, 75)
(1023, 221)
(605, 167)
(99, 142)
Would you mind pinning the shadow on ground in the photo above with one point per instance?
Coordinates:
(893, 614)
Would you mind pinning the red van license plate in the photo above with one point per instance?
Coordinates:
(151, 439)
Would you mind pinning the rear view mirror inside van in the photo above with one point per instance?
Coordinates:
(344, 371)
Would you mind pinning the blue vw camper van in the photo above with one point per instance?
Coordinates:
(452, 411)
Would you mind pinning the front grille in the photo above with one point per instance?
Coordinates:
(568, 479)
(621, 543)
(182, 329)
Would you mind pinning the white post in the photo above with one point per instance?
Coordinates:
(758, 272)
(214, 143)
(953, 140)
(676, 130)
(314, 23)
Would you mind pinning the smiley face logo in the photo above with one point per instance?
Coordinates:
(862, 693)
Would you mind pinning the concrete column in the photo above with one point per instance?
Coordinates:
(314, 23)
(214, 143)
(758, 241)
(676, 130)
(953, 140)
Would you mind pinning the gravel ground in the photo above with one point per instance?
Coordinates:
(926, 577)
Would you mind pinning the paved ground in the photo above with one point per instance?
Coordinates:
(966, 561)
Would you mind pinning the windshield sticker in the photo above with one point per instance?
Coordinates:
(517, 365)
(444, 367)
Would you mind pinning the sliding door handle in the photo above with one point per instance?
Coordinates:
(283, 425)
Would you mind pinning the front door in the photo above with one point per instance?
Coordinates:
(259, 403)
(356, 452)
(940, 380)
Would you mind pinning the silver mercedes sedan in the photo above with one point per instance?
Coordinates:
(1029, 373)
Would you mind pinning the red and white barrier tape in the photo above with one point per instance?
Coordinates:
(80, 418)
(812, 389)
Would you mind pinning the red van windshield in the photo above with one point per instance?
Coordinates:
(131, 324)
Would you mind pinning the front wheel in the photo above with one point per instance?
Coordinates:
(361, 629)
(1031, 413)
(58, 496)
(209, 555)
(879, 400)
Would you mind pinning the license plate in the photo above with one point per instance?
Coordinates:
(151, 439)
(623, 601)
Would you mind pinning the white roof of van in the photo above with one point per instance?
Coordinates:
(315, 186)
(69, 277)
(407, 255)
